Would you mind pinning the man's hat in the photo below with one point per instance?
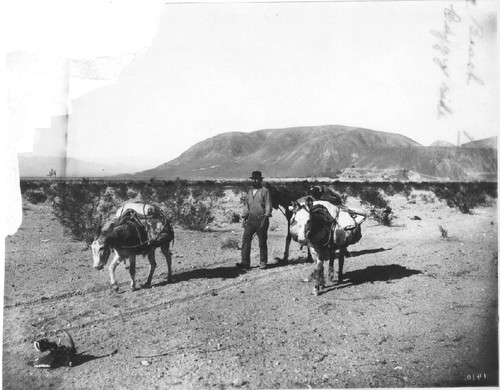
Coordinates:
(256, 175)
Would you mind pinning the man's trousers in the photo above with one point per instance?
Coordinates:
(255, 225)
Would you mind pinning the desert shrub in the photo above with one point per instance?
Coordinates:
(121, 191)
(352, 191)
(443, 231)
(165, 190)
(82, 208)
(424, 195)
(148, 192)
(407, 191)
(194, 215)
(463, 197)
(343, 198)
(35, 196)
(398, 188)
(428, 198)
(173, 191)
(26, 185)
(389, 190)
(243, 199)
(176, 200)
(237, 190)
(131, 194)
(235, 218)
(207, 188)
(383, 216)
(373, 197)
(136, 185)
(230, 243)
(189, 206)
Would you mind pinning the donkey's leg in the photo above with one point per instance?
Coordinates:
(112, 266)
(288, 216)
(287, 245)
(165, 249)
(320, 277)
(331, 266)
(131, 270)
(152, 267)
(342, 252)
(309, 257)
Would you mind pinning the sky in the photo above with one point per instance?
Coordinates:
(144, 81)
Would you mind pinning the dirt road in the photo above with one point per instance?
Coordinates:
(416, 310)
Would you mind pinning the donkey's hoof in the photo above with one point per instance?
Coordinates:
(316, 292)
(114, 287)
(146, 285)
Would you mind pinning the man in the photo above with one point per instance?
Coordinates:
(256, 221)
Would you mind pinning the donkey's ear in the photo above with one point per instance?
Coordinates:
(309, 202)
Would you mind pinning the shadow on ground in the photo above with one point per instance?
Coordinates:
(379, 273)
(204, 273)
(82, 358)
(302, 260)
(366, 252)
(78, 359)
(374, 273)
(280, 263)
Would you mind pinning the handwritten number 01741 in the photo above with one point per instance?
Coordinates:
(476, 377)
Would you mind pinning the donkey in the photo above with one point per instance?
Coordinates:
(316, 224)
(130, 235)
(283, 198)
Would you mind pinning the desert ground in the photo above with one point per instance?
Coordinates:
(417, 309)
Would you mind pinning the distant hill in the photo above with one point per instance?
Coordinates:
(443, 144)
(327, 151)
(442, 163)
(490, 143)
(342, 152)
(39, 166)
(292, 152)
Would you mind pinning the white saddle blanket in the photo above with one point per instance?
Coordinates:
(343, 217)
(142, 210)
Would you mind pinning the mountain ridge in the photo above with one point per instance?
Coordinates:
(324, 151)
(334, 151)
(279, 152)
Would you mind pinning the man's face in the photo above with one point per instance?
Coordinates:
(256, 183)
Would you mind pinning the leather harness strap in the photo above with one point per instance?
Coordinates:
(329, 230)
(135, 220)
